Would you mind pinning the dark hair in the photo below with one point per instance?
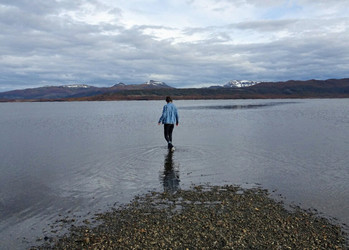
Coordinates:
(168, 99)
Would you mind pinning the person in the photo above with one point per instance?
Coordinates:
(169, 117)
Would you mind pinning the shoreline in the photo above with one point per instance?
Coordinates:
(205, 217)
(160, 98)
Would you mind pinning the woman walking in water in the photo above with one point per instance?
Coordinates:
(169, 117)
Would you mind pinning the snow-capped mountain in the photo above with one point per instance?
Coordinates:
(156, 83)
(119, 84)
(239, 84)
(151, 84)
(235, 84)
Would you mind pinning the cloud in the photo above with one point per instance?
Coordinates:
(184, 43)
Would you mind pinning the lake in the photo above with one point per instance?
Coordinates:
(74, 159)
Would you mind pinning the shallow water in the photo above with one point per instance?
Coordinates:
(69, 159)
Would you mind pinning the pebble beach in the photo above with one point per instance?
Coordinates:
(205, 217)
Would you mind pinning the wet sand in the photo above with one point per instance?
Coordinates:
(205, 217)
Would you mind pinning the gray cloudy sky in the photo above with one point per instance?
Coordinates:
(185, 43)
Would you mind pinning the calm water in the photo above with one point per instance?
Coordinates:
(69, 159)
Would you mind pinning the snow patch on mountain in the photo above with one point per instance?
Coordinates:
(76, 86)
(239, 84)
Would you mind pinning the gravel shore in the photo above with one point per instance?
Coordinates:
(204, 217)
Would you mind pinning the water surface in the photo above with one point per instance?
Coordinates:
(69, 159)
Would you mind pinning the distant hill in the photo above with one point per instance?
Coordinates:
(153, 90)
(310, 88)
(51, 92)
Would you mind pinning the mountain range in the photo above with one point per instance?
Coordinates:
(83, 90)
(153, 90)
(75, 91)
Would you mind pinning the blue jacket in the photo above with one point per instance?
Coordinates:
(169, 114)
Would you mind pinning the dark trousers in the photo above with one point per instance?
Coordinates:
(168, 129)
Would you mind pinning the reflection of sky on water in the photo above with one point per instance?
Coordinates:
(170, 175)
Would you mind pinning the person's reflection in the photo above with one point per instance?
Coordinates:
(170, 177)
